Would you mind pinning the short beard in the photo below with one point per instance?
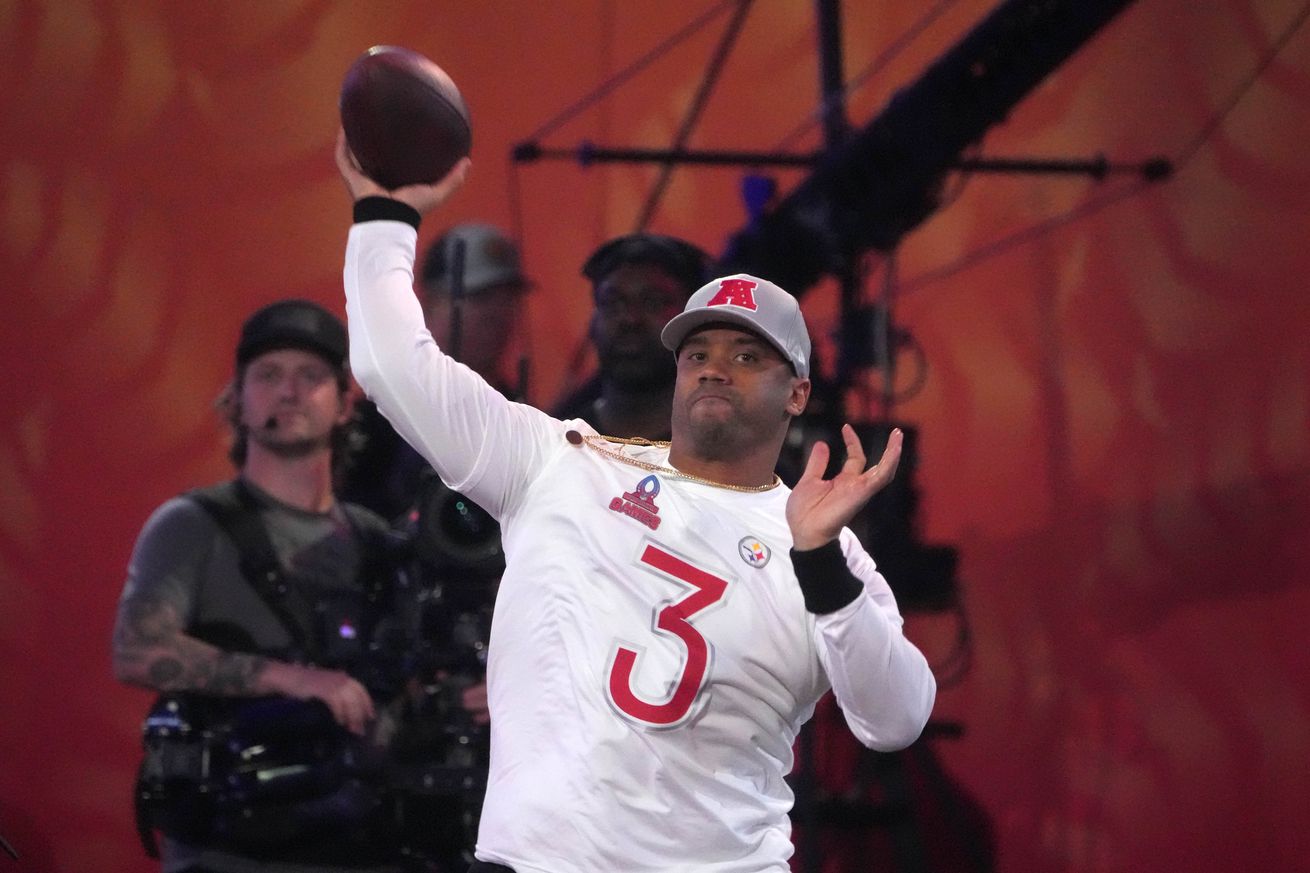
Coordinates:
(726, 439)
(638, 374)
(294, 449)
(715, 441)
(720, 438)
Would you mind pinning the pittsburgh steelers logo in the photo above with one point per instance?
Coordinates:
(754, 552)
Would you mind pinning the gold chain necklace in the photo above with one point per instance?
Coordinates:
(596, 442)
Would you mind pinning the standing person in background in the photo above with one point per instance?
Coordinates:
(473, 314)
(669, 614)
(471, 286)
(639, 282)
(253, 594)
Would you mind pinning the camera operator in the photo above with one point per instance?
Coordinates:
(249, 605)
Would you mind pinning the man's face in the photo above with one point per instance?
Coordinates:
(633, 303)
(486, 320)
(735, 391)
(291, 401)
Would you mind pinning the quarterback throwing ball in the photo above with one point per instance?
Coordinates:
(670, 613)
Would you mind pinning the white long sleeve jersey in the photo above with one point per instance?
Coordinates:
(651, 658)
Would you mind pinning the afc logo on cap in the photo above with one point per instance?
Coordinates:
(735, 292)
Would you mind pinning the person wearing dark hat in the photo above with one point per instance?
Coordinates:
(252, 594)
(639, 282)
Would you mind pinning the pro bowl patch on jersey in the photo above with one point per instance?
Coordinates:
(639, 503)
(754, 552)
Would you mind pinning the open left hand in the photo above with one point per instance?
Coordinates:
(423, 198)
(818, 508)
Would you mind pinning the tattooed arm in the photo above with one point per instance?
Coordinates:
(151, 647)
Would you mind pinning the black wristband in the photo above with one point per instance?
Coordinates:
(385, 209)
(827, 584)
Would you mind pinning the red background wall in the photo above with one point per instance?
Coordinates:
(1113, 429)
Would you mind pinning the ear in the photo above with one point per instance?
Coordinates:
(346, 403)
(228, 403)
(800, 396)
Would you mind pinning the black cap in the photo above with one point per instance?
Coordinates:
(681, 260)
(294, 324)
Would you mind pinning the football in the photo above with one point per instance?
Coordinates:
(404, 119)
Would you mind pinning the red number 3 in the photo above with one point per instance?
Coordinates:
(672, 619)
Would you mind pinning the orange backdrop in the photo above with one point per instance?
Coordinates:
(1113, 429)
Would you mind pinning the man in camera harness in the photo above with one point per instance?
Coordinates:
(259, 609)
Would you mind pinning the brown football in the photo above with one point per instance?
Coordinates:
(404, 118)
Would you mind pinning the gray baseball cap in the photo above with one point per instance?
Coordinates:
(490, 258)
(750, 302)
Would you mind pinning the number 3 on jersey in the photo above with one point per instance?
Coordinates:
(675, 619)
